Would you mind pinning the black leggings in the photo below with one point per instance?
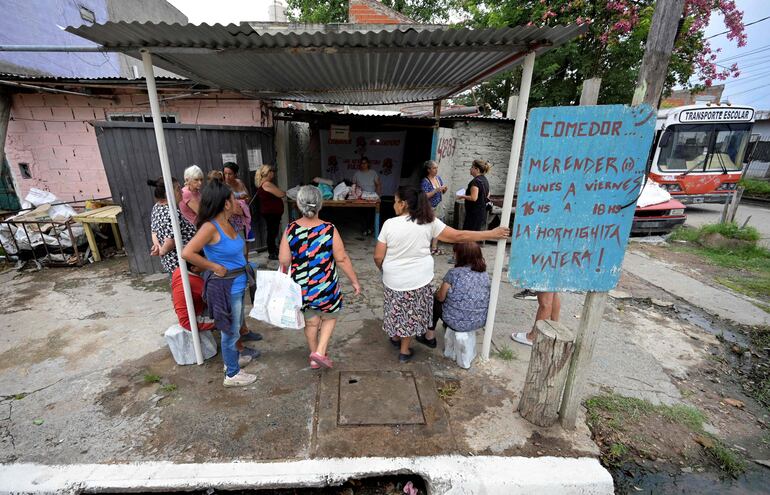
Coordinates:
(437, 312)
(273, 223)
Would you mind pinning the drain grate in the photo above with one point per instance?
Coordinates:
(379, 398)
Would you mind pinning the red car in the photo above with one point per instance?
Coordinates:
(661, 218)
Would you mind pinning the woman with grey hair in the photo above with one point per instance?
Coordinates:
(311, 249)
(191, 193)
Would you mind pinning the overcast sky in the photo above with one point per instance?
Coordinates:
(751, 88)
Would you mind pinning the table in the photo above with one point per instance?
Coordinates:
(105, 214)
(347, 203)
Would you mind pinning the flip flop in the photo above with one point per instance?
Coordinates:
(322, 360)
(521, 338)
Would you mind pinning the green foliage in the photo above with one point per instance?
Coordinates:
(756, 188)
(727, 460)
(317, 12)
(151, 378)
(506, 353)
(168, 388)
(731, 231)
(335, 11)
(753, 261)
(683, 233)
(613, 412)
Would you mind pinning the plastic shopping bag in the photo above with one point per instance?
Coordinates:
(278, 300)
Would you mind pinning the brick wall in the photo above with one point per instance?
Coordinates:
(373, 12)
(52, 133)
(490, 141)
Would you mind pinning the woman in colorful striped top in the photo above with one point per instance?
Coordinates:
(311, 249)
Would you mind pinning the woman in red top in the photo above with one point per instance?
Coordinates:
(270, 206)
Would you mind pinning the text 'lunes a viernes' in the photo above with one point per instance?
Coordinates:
(582, 171)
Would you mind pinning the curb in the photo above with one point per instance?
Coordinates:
(444, 475)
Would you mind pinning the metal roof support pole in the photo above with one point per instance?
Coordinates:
(437, 117)
(510, 186)
(160, 138)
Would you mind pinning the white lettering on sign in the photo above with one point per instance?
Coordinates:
(717, 115)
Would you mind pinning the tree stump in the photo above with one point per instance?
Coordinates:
(547, 373)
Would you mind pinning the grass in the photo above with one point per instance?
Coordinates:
(150, 378)
(753, 261)
(505, 353)
(168, 388)
(731, 231)
(726, 459)
(756, 188)
(619, 414)
(448, 391)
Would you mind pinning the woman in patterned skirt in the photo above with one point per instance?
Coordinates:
(311, 249)
(403, 255)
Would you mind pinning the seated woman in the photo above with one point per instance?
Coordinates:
(462, 301)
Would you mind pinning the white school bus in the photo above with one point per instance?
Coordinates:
(699, 150)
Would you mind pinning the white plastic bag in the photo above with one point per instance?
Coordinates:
(180, 343)
(460, 347)
(341, 191)
(278, 300)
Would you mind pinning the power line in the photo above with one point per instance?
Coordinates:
(745, 25)
(741, 55)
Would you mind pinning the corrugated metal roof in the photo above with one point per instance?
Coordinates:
(305, 114)
(9, 76)
(340, 64)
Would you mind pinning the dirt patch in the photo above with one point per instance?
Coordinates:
(23, 296)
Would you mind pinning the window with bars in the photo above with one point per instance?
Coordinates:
(166, 118)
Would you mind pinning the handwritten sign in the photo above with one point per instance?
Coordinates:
(582, 171)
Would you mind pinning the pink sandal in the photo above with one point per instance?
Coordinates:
(314, 365)
(321, 360)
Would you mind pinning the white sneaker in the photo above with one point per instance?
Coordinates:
(240, 380)
(521, 338)
(243, 361)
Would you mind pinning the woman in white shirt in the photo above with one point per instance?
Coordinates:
(369, 182)
(403, 255)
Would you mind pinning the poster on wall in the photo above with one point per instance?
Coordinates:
(582, 171)
(340, 158)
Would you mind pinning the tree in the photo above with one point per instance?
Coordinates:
(612, 48)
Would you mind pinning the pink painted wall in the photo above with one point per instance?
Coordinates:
(53, 134)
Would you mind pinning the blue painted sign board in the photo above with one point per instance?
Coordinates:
(582, 172)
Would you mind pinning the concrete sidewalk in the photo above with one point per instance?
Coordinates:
(718, 302)
(81, 351)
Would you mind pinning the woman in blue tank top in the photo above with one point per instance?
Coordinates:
(224, 250)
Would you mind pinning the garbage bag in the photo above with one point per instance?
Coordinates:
(460, 347)
(278, 300)
(180, 343)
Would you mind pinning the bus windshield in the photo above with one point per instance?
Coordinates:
(703, 147)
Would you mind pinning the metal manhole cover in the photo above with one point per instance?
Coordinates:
(379, 398)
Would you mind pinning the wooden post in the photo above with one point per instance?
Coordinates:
(736, 200)
(585, 340)
(657, 53)
(652, 74)
(590, 92)
(547, 373)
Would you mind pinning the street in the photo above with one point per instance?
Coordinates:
(698, 215)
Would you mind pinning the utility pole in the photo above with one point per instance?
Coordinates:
(652, 76)
(657, 54)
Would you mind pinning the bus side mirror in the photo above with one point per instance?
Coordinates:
(665, 138)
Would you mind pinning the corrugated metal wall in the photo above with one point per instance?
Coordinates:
(130, 157)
